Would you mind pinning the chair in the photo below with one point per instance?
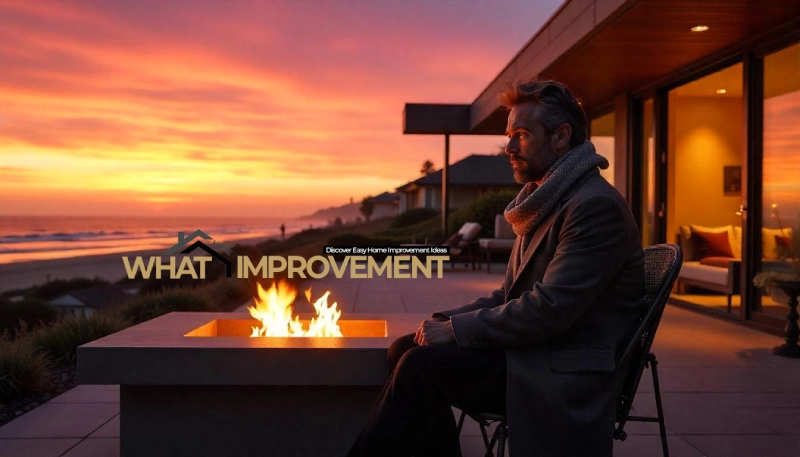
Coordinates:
(461, 243)
(662, 264)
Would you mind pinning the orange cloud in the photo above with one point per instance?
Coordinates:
(122, 108)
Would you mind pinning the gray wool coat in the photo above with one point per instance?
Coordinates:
(564, 313)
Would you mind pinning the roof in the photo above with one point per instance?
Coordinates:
(98, 297)
(475, 170)
(604, 48)
(385, 198)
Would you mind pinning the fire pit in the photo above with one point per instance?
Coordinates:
(198, 384)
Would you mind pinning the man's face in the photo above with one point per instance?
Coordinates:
(529, 147)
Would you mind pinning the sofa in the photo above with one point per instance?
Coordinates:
(712, 257)
(502, 243)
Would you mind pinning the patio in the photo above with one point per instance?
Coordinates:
(724, 393)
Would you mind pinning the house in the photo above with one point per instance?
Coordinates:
(90, 300)
(385, 205)
(468, 179)
(694, 103)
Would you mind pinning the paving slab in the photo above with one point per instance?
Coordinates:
(95, 447)
(89, 394)
(744, 445)
(60, 420)
(36, 447)
(109, 430)
(650, 445)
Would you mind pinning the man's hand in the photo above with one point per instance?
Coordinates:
(435, 331)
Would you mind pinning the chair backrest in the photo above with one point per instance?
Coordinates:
(468, 233)
(662, 263)
(502, 229)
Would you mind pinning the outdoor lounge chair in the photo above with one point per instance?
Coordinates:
(662, 263)
(463, 245)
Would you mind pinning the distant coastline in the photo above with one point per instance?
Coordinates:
(19, 275)
(33, 238)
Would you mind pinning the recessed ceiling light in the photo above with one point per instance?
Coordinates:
(721, 91)
(699, 28)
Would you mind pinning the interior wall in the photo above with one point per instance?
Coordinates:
(602, 137)
(705, 134)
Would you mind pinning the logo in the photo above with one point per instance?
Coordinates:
(397, 262)
(216, 251)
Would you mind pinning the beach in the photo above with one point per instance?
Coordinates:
(109, 267)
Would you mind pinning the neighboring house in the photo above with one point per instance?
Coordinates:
(385, 205)
(469, 178)
(90, 300)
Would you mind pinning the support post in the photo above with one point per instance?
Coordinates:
(445, 185)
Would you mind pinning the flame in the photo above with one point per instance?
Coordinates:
(274, 310)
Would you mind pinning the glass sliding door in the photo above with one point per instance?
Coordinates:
(602, 136)
(704, 188)
(780, 206)
(648, 175)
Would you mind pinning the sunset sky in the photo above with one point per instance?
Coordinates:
(233, 108)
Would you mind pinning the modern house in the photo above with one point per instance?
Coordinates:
(90, 300)
(469, 178)
(697, 104)
(385, 205)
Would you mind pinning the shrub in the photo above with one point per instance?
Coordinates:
(150, 306)
(227, 293)
(153, 285)
(358, 239)
(31, 311)
(414, 216)
(59, 341)
(23, 371)
(58, 287)
(431, 228)
(482, 211)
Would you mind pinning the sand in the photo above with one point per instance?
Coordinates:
(107, 266)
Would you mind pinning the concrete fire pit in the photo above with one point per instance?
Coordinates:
(190, 386)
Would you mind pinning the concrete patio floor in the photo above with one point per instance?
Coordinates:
(724, 393)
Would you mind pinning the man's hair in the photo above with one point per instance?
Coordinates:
(555, 106)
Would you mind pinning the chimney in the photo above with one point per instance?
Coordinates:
(180, 237)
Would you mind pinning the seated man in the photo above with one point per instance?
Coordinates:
(544, 348)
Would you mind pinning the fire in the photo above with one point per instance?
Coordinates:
(274, 310)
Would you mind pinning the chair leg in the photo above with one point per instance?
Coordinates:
(489, 444)
(729, 303)
(461, 421)
(502, 433)
(657, 391)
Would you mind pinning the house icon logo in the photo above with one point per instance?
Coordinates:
(185, 246)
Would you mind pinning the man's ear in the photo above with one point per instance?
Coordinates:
(561, 136)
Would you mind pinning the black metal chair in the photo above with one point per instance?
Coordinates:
(662, 264)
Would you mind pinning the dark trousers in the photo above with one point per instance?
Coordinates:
(413, 415)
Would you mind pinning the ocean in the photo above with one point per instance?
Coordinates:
(24, 238)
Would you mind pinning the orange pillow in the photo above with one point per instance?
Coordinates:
(783, 242)
(710, 244)
(715, 261)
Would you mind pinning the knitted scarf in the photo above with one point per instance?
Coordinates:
(534, 204)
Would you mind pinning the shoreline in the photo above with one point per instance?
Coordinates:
(19, 275)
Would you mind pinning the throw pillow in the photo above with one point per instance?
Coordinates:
(453, 240)
(688, 243)
(715, 261)
(769, 241)
(784, 243)
(711, 244)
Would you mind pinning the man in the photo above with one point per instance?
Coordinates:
(544, 348)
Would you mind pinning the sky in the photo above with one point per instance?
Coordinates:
(246, 108)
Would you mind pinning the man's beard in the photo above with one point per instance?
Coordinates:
(534, 170)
